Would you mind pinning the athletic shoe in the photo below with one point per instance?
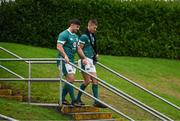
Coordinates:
(65, 102)
(75, 103)
(81, 102)
(99, 105)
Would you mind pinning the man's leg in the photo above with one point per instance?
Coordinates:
(96, 93)
(95, 86)
(65, 87)
(64, 93)
(69, 72)
(70, 78)
(83, 87)
(86, 79)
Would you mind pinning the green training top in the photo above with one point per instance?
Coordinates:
(70, 42)
(87, 49)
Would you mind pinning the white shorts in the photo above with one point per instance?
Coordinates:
(67, 69)
(89, 67)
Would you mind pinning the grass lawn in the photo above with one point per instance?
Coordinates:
(21, 111)
(161, 76)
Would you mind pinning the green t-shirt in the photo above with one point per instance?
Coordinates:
(87, 49)
(70, 42)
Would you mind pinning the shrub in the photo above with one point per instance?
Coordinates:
(132, 28)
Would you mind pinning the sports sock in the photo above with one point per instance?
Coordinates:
(83, 87)
(64, 91)
(95, 90)
(71, 92)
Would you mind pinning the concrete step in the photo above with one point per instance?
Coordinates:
(68, 109)
(5, 91)
(13, 97)
(91, 115)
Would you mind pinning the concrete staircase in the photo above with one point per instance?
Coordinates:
(8, 94)
(86, 113)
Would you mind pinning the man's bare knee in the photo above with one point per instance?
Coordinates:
(70, 78)
(94, 81)
(86, 82)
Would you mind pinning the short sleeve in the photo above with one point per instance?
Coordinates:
(62, 38)
(83, 38)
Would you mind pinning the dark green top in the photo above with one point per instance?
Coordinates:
(87, 49)
(70, 42)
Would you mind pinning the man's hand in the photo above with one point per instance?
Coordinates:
(84, 61)
(66, 59)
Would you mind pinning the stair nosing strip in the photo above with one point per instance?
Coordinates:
(92, 113)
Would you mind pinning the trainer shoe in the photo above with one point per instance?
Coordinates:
(99, 105)
(75, 103)
(65, 102)
(81, 102)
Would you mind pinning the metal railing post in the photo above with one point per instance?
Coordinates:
(29, 82)
(60, 84)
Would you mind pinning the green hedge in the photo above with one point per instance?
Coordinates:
(137, 28)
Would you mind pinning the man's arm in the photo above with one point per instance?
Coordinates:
(81, 54)
(61, 50)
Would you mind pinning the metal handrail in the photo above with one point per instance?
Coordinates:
(31, 59)
(110, 107)
(110, 70)
(137, 85)
(3, 117)
(11, 53)
(57, 79)
(34, 61)
(138, 103)
(122, 94)
(8, 70)
(116, 91)
(35, 79)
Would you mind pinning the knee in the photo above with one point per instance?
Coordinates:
(70, 79)
(86, 82)
(95, 82)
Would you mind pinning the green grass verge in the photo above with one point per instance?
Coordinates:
(21, 111)
(161, 76)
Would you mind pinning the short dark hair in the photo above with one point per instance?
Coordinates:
(93, 21)
(74, 21)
